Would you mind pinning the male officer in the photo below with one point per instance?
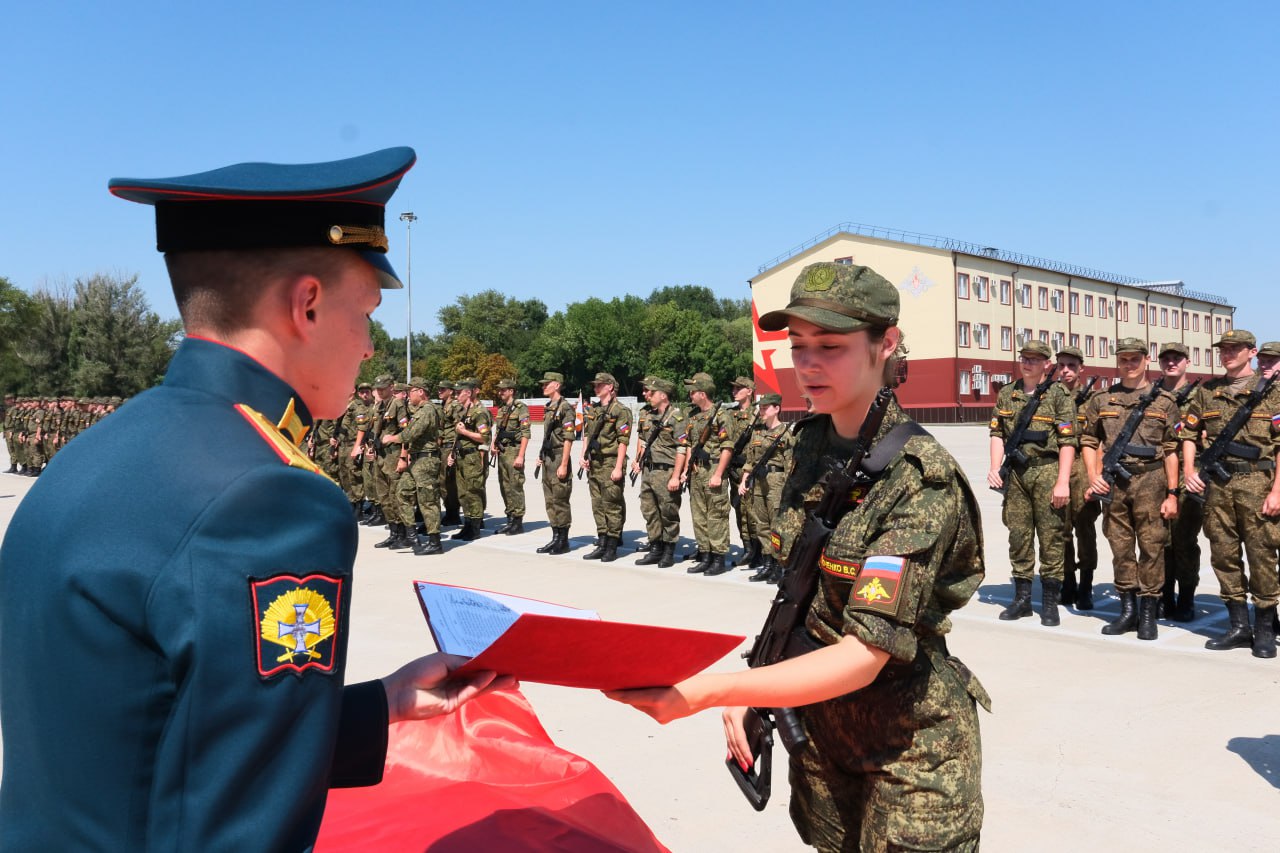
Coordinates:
(664, 450)
(450, 414)
(510, 441)
(1080, 545)
(350, 431)
(559, 427)
(770, 449)
(606, 432)
(709, 454)
(1244, 512)
(1038, 492)
(642, 429)
(395, 417)
(420, 483)
(468, 457)
(1182, 556)
(1140, 501)
(743, 422)
(201, 637)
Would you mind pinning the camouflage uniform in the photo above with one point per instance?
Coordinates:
(665, 441)
(353, 421)
(1182, 556)
(742, 424)
(764, 498)
(395, 417)
(559, 424)
(609, 427)
(896, 765)
(472, 464)
(708, 439)
(450, 414)
(512, 429)
(1080, 546)
(420, 484)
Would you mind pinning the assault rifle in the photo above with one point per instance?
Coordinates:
(741, 443)
(547, 429)
(783, 635)
(1184, 393)
(1112, 468)
(698, 455)
(648, 442)
(1083, 394)
(592, 444)
(763, 463)
(1013, 452)
(500, 434)
(1211, 460)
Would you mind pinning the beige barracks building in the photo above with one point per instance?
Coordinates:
(965, 308)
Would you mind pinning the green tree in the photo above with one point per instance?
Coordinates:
(499, 323)
(17, 312)
(382, 361)
(42, 345)
(116, 344)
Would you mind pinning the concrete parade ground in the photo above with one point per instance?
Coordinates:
(1094, 743)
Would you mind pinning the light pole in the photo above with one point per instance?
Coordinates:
(408, 219)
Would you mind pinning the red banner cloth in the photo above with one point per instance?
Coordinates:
(485, 778)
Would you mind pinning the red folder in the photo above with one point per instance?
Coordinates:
(594, 653)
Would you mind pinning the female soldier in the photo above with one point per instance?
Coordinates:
(893, 759)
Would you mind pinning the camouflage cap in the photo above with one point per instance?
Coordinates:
(447, 384)
(1039, 348)
(364, 386)
(839, 298)
(1130, 345)
(744, 382)
(1239, 337)
(1179, 348)
(418, 382)
(506, 383)
(1270, 348)
(115, 401)
(468, 384)
(769, 400)
(400, 388)
(701, 382)
(666, 386)
(605, 379)
(552, 376)
(647, 382)
(1073, 352)
(382, 381)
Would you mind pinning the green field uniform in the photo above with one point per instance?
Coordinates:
(35, 439)
(1132, 521)
(896, 765)
(353, 421)
(1182, 557)
(420, 485)
(395, 417)
(609, 427)
(559, 425)
(1080, 546)
(742, 422)
(471, 462)
(1028, 510)
(708, 438)
(510, 426)
(450, 414)
(765, 495)
(324, 452)
(665, 439)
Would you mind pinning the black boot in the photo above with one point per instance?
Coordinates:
(657, 550)
(1185, 609)
(766, 571)
(406, 539)
(597, 552)
(1264, 632)
(1021, 605)
(13, 469)
(704, 560)
(504, 527)
(392, 539)
(516, 526)
(753, 559)
(561, 544)
(668, 554)
(377, 519)
(555, 540)
(716, 565)
(1239, 634)
(470, 530)
(610, 549)
(431, 546)
(642, 548)
(1084, 590)
(1128, 618)
(1148, 605)
(451, 518)
(775, 576)
(1050, 595)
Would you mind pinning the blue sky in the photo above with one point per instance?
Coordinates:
(570, 149)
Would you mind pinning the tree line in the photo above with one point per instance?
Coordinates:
(99, 337)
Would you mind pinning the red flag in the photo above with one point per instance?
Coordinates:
(485, 778)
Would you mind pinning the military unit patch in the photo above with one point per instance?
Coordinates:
(298, 615)
(776, 541)
(879, 583)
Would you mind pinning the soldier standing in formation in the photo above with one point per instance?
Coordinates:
(642, 429)
(743, 420)
(469, 458)
(420, 483)
(1080, 546)
(354, 422)
(1038, 492)
(1137, 508)
(1182, 556)
(1244, 512)
(606, 432)
(709, 454)
(559, 425)
(510, 442)
(450, 413)
(761, 491)
(663, 453)
(394, 418)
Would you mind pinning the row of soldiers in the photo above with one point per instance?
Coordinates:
(35, 428)
(401, 456)
(1158, 461)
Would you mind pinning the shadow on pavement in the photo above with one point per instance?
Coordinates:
(1260, 753)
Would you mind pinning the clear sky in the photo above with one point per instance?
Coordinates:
(571, 149)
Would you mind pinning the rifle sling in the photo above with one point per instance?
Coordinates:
(884, 450)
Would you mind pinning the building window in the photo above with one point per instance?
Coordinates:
(1044, 336)
(1218, 325)
(1175, 319)
(1006, 291)
(1058, 342)
(1075, 340)
(1164, 317)
(1195, 322)
(847, 261)
(1075, 303)
(1102, 307)
(1226, 323)
(1088, 345)
(1142, 313)
(1006, 338)
(1153, 315)
(1024, 295)
(962, 285)
(1186, 320)
(1057, 301)
(1195, 355)
(964, 382)
(982, 335)
(1122, 309)
(1024, 336)
(982, 288)
(1217, 357)
(962, 334)
(1154, 351)
(1088, 305)
(1043, 298)
(1104, 347)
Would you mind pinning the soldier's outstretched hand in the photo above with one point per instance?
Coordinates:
(422, 688)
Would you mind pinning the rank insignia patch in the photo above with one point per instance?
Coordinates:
(879, 583)
(297, 619)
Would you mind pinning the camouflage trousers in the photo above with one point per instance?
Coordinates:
(420, 487)
(349, 474)
(35, 454)
(368, 475)
(1132, 522)
(1182, 557)
(1080, 547)
(710, 510)
(392, 506)
(896, 766)
(608, 502)
(556, 492)
(660, 506)
(471, 471)
(1028, 512)
(764, 498)
(1232, 519)
(511, 481)
(16, 456)
(741, 507)
(449, 488)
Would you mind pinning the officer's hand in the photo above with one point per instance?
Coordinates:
(994, 480)
(673, 485)
(401, 465)
(1271, 505)
(421, 689)
(585, 463)
(1169, 509)
(1193, 482)
(736, 737)
(635, 466)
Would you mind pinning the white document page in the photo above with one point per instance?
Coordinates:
(467, 621)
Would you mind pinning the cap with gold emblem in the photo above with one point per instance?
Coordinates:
(1131, 345)
(1039, 348)
(838, 298)
(1175, 347)
(1238, 337)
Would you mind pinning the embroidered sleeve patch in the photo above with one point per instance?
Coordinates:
(995, 423)
(1065, 429)
(776, 542)
(297, 620)
(844, 569)
(1275, 421)
(878, 584)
